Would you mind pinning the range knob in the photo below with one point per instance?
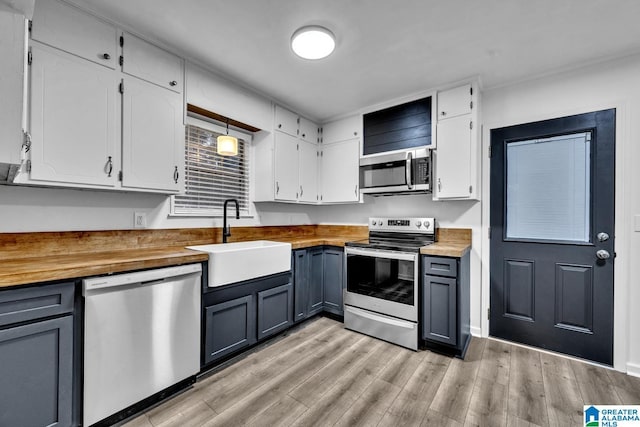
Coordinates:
(374, 223)
(427, 224)
(418, 224)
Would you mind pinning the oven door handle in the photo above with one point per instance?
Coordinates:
(378, 253)
(382, 319)
(408, 170)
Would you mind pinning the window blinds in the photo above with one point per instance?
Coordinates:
(211, 178)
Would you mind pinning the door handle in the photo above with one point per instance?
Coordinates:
(603, 254)
(408, 171)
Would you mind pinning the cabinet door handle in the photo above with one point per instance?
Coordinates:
(277, 187)
(443, 113)
(301, 192)
(439, 184)
(304, 135)
(279, 125)
(356, 192)
(106, 56)
(109, 167)
(173, 83)
(176, 175)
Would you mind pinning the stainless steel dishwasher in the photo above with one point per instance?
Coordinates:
(141, 335)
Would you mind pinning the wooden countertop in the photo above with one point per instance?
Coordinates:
(448, 249)
(450, 242)
(27, 258)
(21, 271)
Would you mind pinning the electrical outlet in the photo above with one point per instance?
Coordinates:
(139, 220)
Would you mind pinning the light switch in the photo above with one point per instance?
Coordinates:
(636, 222)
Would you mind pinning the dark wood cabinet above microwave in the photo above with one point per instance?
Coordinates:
(404, 126)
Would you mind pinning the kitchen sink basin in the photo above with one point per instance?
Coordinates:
(238, 261)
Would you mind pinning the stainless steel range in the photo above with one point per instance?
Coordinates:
(381, 298)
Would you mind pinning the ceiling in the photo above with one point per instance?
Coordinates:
(385, 49)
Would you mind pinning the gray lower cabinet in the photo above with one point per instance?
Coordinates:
(36, 356)
(333, 280)
(318, 281)
(444, 322)
(274, 310)
(238, 315)
(230, 327)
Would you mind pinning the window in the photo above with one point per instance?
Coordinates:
(210, 178)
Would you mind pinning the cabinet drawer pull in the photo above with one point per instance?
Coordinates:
(109, 167)
(106, 56)
(173, 83)
(176, 175)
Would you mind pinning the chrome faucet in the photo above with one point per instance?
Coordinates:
(226, 229)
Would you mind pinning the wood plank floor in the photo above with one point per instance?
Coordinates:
(324, 375)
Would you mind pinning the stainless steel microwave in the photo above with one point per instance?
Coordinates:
(396, 173)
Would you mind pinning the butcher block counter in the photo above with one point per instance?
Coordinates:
(27, 258)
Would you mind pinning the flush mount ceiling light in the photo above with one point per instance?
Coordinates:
(313, 42)
(227, 144)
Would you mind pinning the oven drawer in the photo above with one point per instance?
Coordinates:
(439, 266)
(377, 325)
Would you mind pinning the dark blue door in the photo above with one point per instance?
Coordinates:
(552, 234)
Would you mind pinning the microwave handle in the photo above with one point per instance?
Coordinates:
(408, 170)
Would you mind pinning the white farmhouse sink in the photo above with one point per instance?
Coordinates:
(238, 261)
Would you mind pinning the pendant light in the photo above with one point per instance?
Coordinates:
(227, 144)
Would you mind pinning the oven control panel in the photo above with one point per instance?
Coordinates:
(404, 225)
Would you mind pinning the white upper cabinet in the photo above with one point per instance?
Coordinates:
(152, 112)
(286, 121)
(103, 115)
(341, 130)
(455, 102)
(67, 28)
(286, 166)
(12, 52)
(339, 160)
(152, 137)
(308, 130)
(453, 159)
(150, 63)
(74, 120)
(456, 159)
(339, 174)
(289, 160)
(308, 172)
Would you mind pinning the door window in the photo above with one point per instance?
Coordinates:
(548, 188)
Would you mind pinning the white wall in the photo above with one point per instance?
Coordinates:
(614, 84)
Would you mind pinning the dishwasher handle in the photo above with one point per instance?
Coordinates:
(141, 277)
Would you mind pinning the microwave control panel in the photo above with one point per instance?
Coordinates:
(421, 170)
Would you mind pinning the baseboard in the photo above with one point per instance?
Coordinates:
(475, 331)
(633, 369)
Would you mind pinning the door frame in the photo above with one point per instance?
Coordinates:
(621, 278)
